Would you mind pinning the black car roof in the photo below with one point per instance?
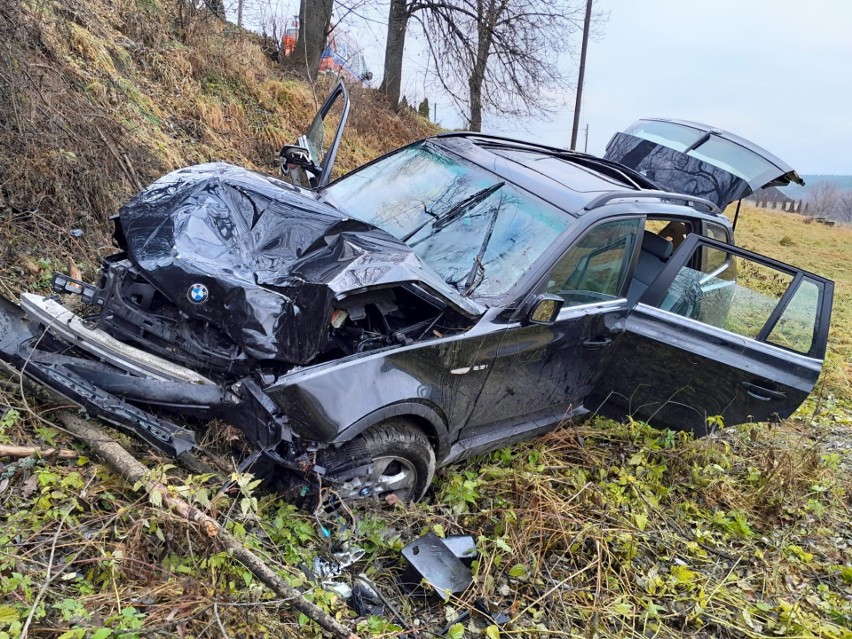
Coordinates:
(576, 182)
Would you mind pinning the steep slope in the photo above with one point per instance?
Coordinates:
(100, 97)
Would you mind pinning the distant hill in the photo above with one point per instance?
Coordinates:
(796, 192)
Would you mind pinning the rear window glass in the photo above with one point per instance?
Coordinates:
(725, 154)
(732, 157)
(674, 136)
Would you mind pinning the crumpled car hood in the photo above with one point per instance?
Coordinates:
(272, 258)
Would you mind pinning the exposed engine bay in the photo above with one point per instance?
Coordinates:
(131, 309)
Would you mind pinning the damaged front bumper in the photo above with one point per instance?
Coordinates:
(118, 383)
(113, 381)
(38, 353)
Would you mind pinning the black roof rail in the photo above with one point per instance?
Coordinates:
(606, 198)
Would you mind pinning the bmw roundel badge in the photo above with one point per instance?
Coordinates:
(197, 294)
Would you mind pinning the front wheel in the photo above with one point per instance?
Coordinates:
(403, 463)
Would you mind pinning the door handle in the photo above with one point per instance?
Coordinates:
(597, 342)
(763, 394)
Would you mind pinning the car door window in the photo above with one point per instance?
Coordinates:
(595, 267)
(672, 229)
(747, 297)
(794, 329)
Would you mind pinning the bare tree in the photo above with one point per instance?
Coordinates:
(500, 55)
(824, 198)
(844, 213)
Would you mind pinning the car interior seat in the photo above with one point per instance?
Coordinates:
(653, 255)
(675, 231)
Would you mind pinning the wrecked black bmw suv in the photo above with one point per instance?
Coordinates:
(455, 296)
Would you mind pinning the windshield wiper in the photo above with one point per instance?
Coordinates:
(478, 267)
(455, 212)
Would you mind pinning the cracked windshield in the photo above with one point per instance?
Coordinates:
(477, 232)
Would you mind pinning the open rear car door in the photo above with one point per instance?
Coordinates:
(309, 162)
(742, 338)
(699, 160)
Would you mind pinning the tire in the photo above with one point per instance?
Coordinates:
(403, 462)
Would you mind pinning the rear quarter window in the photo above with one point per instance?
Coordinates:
(710, 258)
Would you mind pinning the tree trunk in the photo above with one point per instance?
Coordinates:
(314, 22)
(394, 47)
(487, 20)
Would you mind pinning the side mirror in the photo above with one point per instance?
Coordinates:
(545, 309)
(298, 166)
(292, 155)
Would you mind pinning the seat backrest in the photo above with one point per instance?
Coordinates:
(653, 255)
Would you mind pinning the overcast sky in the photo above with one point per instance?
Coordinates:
(778, 72)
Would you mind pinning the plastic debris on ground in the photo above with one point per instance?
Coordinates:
(432, 561)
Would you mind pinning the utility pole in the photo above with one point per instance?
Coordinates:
(586, 146)
(582, 73)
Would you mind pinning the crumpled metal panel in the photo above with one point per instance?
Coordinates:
(273, 258)
(676, 171)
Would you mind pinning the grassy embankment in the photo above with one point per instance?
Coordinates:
(602, 530)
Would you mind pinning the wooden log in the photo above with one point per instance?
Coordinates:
(134, 472)
(20, 452)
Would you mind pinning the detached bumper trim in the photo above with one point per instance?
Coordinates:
(63, 323)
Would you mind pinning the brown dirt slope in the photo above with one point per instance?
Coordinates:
(100, 97)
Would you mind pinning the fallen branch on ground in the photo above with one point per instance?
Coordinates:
(134, 472)
(19, 452)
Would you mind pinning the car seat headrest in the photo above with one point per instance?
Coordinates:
(656, 245)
